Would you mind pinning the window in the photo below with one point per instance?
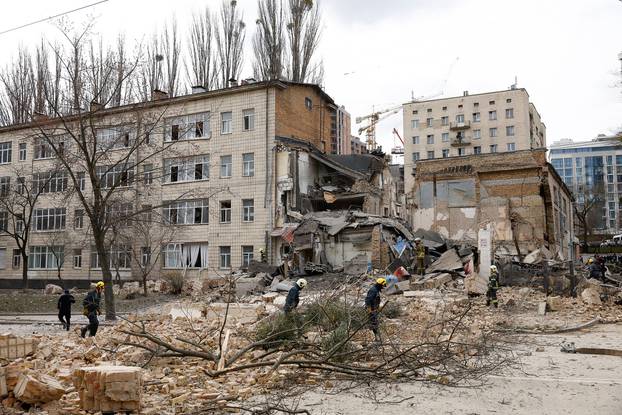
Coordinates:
(19, 225)
(187, 212)
(248, 210)
(429, 110)
(78, 219)
(429, 122)
(414, 124)
(145, 256)
(115, 137)
(22, 151)
(191, 255)
(226, 165)
(43, 149)
(21, 185)
(416, 139)
(477, 150)
(415, 112)
(247, 255)
(4, 220)
(430, 139)
(5, 186)
(475, 104)
(248, 164)
(444, 108)
(17, 259)
(118, 175)
(445, 137)
(77, 258)
(5, 152)
(225, 257)
(511, 147)
(46, 257)
(188, 127)
(477, 134)
(460, 118)
(225, 122)
(491, 102)
(225, 211)
(416, 156)
(509, 113)
(445, 120)
(147, 174)
(492, 132)
(50, 219)
(2, 258)
(82, 180)
(49, 182)
(308, 103)
(431, 154)
(508, 100)
(492, 115)
(493, 148)
(249, 119)
(120, 257)
(476, 117)
(445, 153)
(461, 151)
(186, 169)
(460, 106)
(509, 130)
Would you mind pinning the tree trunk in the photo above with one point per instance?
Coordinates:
(104, 261)
(24, 271)
(144, 283)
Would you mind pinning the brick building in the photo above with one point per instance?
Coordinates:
(216, 181)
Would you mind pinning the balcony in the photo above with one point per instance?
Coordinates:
(460, 140)
(458, 126)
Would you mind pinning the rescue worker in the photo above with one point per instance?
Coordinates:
(293, 296)
(493, 286)
(420, 250)
(262, 255)
(594, 269)
(91, 309)
(372, 305)
(64, 308)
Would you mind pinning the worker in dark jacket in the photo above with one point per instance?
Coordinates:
(293, 296)
(64, 308)
(420, 251)
(493, 286)
(91, 309)
(372, 305)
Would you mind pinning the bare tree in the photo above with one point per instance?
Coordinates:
(229, 35)
(20, 196)
(172, 49)
(269, 40)
(201, 67)
(303, 33)
(589, 215)
(17, 99)
(150, 71)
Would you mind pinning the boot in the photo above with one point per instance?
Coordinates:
(83, 332)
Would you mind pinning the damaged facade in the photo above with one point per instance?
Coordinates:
(329, 206)
(518, 196)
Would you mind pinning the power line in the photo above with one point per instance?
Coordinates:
(53, 17)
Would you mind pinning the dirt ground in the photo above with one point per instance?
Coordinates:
(550, 382)
(34, 301)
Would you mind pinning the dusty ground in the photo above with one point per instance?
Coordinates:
(550, 382)
(34, 301)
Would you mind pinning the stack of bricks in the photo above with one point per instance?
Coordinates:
(35, 389)
(109, 388)
(13, 347)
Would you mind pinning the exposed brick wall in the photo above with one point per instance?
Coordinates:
(294, 119)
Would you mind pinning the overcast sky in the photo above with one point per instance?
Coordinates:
(378, 53)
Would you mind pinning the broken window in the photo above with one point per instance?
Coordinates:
(425, 194)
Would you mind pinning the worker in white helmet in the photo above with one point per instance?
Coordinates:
(493, 286)
(293, 296)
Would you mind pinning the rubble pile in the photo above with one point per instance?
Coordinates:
(109, 388)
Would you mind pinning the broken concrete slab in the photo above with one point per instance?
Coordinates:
(591, 296)
(284, 286)
(398, 288)
(357, 265)
(247, 286)
(475, 284)
(542, 308)
(38, 389)
(431, 281)
(13, 347)
(448, 261)
(51, 289)
(554, 303)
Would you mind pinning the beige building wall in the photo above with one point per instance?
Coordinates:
(431, 128)
(261, 100)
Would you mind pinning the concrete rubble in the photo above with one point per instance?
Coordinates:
(109, 388)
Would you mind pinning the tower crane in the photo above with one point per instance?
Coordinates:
(374, 118)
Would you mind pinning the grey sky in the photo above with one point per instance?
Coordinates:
(564, 52)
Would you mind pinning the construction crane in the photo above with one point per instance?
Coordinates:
(397, 150)
(374, 118)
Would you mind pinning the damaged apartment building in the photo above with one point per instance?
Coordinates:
(517, 196)
(333, 208)
(217, 181)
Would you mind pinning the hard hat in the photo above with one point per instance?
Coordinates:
(493, 268)
(302, 283)
(417, 239)
(100, 284)
(382, 282)
(591, 260)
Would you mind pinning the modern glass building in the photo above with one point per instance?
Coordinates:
(593, 171)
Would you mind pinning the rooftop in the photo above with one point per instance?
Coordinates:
(467, 96)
